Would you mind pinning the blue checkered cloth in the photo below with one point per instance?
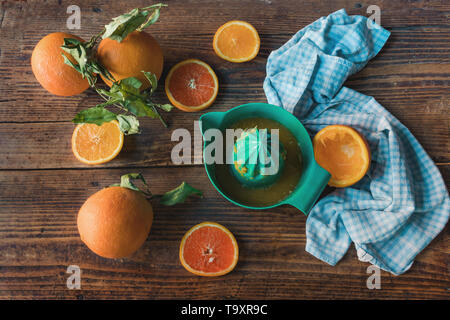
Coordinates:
(402, 203)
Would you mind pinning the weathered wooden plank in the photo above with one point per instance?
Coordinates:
(48, 145)
(39, 240)
(418, 41)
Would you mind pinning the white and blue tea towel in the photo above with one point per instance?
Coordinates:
(402, 203)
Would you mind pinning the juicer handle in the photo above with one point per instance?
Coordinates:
(306, 196)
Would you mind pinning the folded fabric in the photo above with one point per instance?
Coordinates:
(402, 203)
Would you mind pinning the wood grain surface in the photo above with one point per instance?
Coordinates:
(42, 185)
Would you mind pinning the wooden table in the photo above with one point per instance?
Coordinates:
(42, 185)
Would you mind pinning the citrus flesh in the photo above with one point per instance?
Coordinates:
(93, 144)
(138, 52)
(343, 152)
(191, 85)
(50, 70)
(115, 222)
(209, 249)
(236, 41)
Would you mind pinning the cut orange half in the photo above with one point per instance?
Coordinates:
(342, 151)
(93, 144)
(209, 249)
(191, 85)
(236, 41)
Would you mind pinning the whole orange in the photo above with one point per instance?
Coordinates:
(115, 222)
(138, 52)
(50, 70)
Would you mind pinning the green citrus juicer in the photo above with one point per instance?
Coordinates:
(255, 164)
(313, 179)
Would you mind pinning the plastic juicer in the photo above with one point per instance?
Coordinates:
(314, 178)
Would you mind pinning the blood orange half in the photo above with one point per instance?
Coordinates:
(191, 85)
(209, 249)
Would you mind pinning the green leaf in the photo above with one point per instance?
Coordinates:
(128, 124)
(110, 94)
(98, 68)
(131, 85)
(137, 19)
(71, 42)
(179, 194)
(151, 20)
(121, 26)
(97, 115)
(115, 88)
(126, 94)
(126, 181)
(76, 49)
(166, 107)
(139, 108)
(170, 198)
(70, 63)
(84, 63)
(110, 102)
(153, 79)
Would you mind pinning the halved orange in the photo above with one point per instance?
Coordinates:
(93, 144)
(342, 151)
(236, 41)
(209, 249)
(191, 85)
